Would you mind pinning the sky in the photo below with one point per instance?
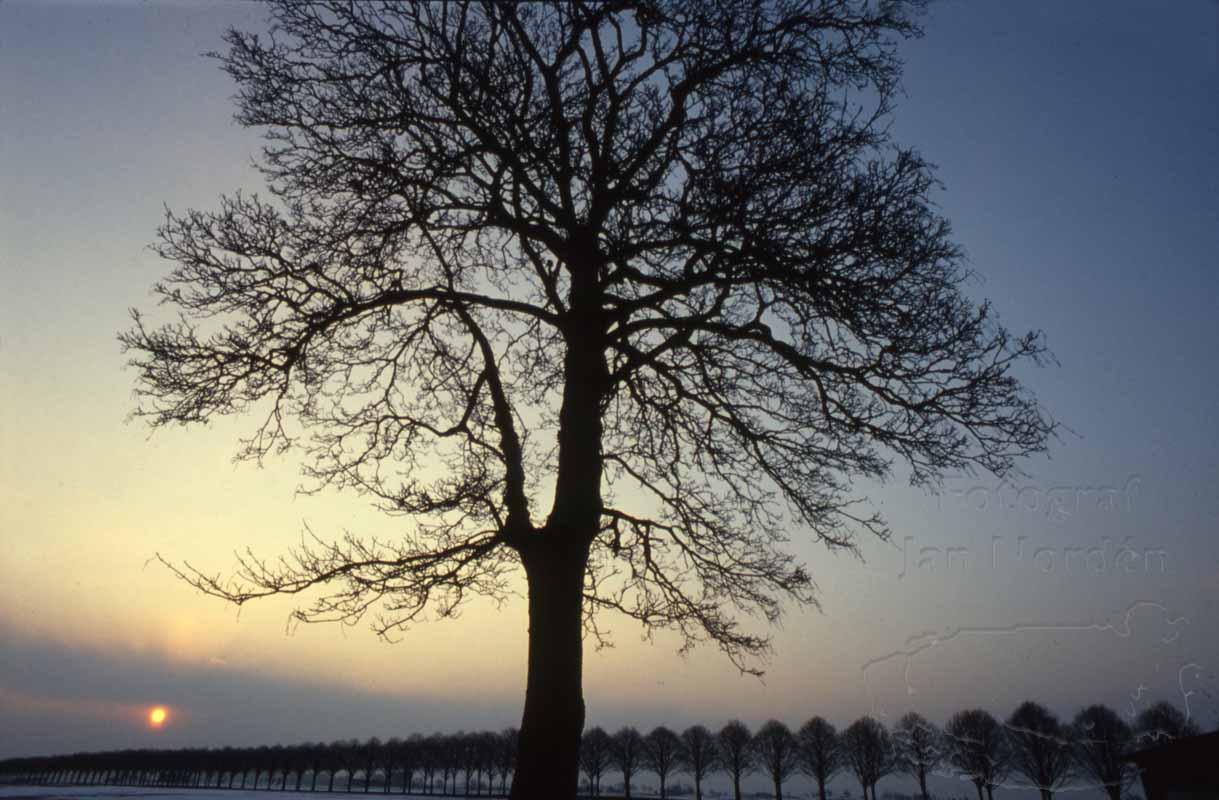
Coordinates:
(1078, 149)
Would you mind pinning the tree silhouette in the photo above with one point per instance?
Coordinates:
(819, 751)
(647, 282)
(1102, 741)
(315, 755)
(626, 752)
(978, 748)
(868, 750)
(371, 755)
(699, 755)
(429, 762)
(736, 756)
(505, 756)
(662, 754)
(920, 747)
(1162, 722)
(337, 757)
(1040, 748)
(595, 757)
(774, 749)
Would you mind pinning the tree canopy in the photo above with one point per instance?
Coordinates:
(626, 293)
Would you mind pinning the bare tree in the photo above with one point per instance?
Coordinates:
(371, 754)
(868, 750)
(1040, 747)
(647, 283)
(505, 756)
(920, 747)
(819, 751)
(595, 756)
(978, 748)
(736, 756)
(699, 755)
(627, 752)
(1162, 722)
(1102, 741)
(775, 752)
(662, 754)
(429, 762)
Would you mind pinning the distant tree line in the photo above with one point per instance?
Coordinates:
(468, 764)
(1032, 746)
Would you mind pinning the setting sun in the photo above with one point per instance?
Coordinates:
(157, 716)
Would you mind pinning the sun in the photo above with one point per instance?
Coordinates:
(157, 716)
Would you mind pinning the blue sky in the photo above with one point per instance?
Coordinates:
(1078, 146)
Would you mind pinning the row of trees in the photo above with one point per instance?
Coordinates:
(974, 745)
(474, 763)
(1031, 744)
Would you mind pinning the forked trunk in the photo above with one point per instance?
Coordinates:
(548, 756)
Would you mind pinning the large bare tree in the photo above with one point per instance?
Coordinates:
(1102, 743)
(662, 754)
(820, 752)
(595, 755)
(1041, 749)
(625, 294)
(978, 748)
(736, 754)
(868, 750)
(698, 755)
(920, 747)
(776, 753)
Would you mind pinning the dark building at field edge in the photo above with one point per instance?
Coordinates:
(1183, 769)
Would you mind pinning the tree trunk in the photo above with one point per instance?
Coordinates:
(821, 788)
(548, 757)
(1047, 794)
(736, 785)
(555, 557)
(778, 790)
(922, 782)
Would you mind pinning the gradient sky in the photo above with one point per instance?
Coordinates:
(1078, 145)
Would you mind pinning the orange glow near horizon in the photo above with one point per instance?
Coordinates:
(157, 716)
